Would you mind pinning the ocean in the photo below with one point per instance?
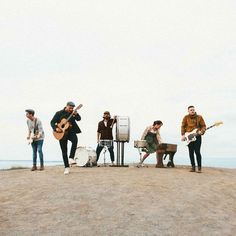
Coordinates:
(226, 162)
(11, 164)
(206, 162)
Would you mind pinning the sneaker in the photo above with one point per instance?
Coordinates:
(72, 161)
(67, 171)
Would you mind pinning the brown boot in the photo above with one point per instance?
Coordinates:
(41, 167)
(160, 166)
(199, 170)
(34, 167)
(192, 169)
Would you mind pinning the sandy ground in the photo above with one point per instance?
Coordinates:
(118, 201)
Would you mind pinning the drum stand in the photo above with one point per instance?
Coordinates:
(120, 154)
(140, 158)
(105, 148)
(140, 154)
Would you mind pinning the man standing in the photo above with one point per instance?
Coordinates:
(69, 116)
(35, 137)
(189, 123)
(153, 138)
(104, 132)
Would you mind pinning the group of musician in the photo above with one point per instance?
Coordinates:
(104, 132)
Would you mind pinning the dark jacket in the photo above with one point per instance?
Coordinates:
(64, 114)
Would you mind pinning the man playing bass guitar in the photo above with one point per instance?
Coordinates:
(65, 128)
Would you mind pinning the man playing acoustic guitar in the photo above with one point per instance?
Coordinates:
(65, 128)
(189, 123)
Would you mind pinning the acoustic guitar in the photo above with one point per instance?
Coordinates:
(191, 136)
(64, 125)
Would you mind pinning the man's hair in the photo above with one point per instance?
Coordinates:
(190, 106)
(106, 112)
(157, 122)
(30, 111)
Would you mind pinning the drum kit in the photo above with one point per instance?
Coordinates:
(85, 157)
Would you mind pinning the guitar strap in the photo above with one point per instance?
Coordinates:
(35, 126)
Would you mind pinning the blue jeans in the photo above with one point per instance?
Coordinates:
(37, 147)
(110, 149)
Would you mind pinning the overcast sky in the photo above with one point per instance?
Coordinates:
(147, 60)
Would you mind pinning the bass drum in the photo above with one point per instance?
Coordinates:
(85, 157)
(122, 128)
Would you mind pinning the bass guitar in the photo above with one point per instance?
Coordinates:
(191, 136)
(64, 125)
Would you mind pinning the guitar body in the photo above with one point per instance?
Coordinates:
(191, 136)
(58, 135)
(62, 126)
(32, 137)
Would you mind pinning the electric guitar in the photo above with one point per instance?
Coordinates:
(33, 134)
(191, 136)
(64, 125)
(32, 137)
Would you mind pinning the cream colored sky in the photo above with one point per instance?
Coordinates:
(144, 59)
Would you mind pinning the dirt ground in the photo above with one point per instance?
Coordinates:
(118, 201)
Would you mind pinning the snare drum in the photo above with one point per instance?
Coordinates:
(140, 143)
(105, 143)
(85, 156)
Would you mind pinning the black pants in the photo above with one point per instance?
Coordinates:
(71, 136)
(195, 147)
(110, 149)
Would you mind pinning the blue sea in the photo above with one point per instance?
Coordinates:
(8, 164)
(206, 162)
(226, 162)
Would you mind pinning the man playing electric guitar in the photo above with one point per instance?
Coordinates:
(65, 128)
(189, 123)
(35, 137)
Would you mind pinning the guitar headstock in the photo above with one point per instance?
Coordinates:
(78, 107)
(218, 123)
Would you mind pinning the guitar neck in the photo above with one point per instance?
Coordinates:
(210, 127)
(72, 113)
